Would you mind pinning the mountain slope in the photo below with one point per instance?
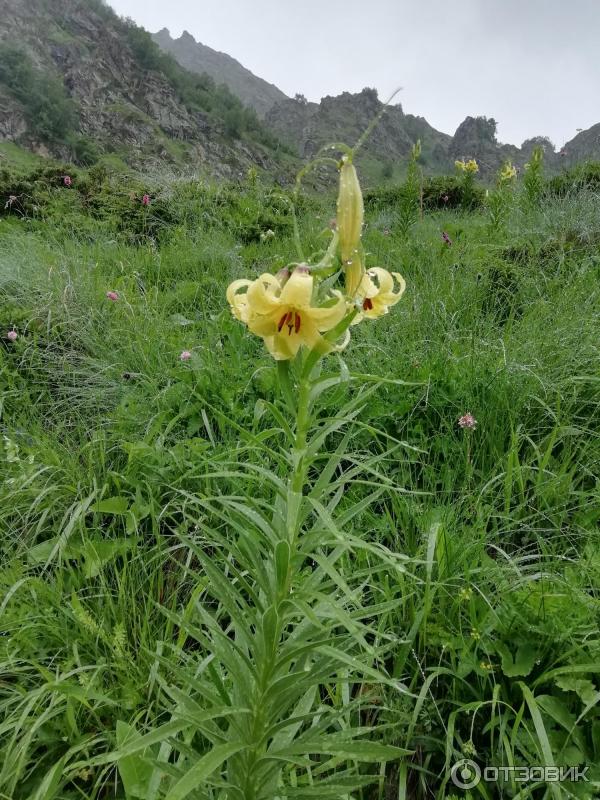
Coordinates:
(81, 78)
(197, 57)
(309, 126)
(585, 145)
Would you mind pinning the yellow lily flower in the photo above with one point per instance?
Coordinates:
(238, 303)
(377, 292)
(508, 172)
(467, 166)
(284, 315)
(238, 300)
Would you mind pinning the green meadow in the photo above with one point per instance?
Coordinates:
(224, 580)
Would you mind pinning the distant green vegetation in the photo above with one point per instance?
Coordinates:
(50, 113)
(52, 116)
(134, 482)
(199, 92)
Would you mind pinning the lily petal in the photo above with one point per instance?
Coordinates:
(297, 292)
(238, 301)
(384, 279)
(327, 317)
(262, 294)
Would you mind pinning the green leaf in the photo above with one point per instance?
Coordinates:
(41, 552)
(136, 773)
(49, 785)
(282, 563)
(202, 769)
(542, 735)
(179, 319)
(112, 505)
(523, 662)
(583, 687)
(367, 752)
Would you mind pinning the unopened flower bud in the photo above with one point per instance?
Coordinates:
(283, 276)
(350, 210)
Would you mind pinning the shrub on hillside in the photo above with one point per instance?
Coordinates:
(440, 191)
(582, 176)
(51, 113)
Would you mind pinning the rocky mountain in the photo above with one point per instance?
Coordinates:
(75, 80)
(586, 145)
(310, 126)
(476, 138)
(197, 57)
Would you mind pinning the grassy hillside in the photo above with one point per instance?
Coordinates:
(137, 485)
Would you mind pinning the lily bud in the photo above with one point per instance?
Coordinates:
(283, 276)
(353, 272)
(350, 210)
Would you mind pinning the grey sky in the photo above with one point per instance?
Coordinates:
(533, 65)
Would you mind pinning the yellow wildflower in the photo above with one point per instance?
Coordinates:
(376, 293)
(238, 302)
(283, 314)
(508, 172)
(470, 166)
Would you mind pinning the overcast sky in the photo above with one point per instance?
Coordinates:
(533, 65)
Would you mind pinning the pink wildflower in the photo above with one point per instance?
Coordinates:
(185, 355)
(467, 421)
(12, 336)
(446, 238)
(114, 296)
(146, 200)
(67, 180)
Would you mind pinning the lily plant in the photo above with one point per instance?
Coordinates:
(282, 692)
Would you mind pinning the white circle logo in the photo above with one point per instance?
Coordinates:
(465, 774)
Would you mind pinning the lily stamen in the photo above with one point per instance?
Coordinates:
(282, 321)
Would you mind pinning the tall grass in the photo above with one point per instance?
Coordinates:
(442, 584)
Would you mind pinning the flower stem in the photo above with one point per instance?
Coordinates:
(299, 465)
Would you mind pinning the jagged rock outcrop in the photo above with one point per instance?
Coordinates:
(476, 138)
(197, 57)
(584, 146)
(310, 126)
(121, 106)
(134, 102)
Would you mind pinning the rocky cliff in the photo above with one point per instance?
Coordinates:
(75, 80)
(309, 126)
(117, 95)
(197, 57)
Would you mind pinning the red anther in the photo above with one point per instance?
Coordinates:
(282, 322)
(367, 304)
(297, 322)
